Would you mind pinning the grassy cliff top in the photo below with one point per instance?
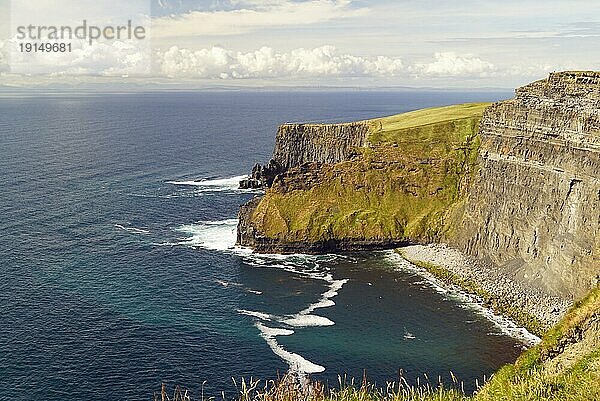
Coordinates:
(405, 186)
(420, 124)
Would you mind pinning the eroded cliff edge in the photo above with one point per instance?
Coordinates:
(297, 144)
(534, 207)
(516, 186)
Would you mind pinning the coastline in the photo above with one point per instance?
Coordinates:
(528, 307)
(504, 323)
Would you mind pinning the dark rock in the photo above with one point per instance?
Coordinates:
(262, 176)
(299, 144)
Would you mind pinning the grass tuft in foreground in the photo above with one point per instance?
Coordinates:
(179, 394)
(291, 388)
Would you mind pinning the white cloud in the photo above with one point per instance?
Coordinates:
(120, 56)
(301, 65)
(450, 64)
(323, 61)
(255, 15)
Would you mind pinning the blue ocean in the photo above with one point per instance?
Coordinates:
(119, 272)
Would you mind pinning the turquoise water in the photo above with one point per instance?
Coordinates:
(118, 221)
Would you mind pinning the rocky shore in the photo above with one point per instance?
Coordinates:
(496, 282)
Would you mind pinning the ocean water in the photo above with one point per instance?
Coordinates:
(118, 270)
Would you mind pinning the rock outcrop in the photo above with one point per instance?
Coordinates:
(262, 176)
(370, 185)
(296, 144)
(534, 208)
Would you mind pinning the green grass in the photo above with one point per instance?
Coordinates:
(535, 376)
(406, 185)
(403, 127)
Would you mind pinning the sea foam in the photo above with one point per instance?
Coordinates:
(231, 184)
(214, 235)
(505, 325)
(221, 236)
(306, 266)
(297, 363)
(303, 320)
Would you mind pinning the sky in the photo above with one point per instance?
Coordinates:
(310, 43)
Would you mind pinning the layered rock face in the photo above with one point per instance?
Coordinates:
(534, 208)
(296, 144)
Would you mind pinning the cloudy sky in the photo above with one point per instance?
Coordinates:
(321, 43)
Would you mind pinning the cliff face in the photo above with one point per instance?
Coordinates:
(296, 144)
(518, 188)
(534, 207)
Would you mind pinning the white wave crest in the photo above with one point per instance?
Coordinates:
(300, 320)
(273, 331)
(216, 185)
(296, 362)
(258, 315)
(326, 301)
(215, 235)
(132, 229)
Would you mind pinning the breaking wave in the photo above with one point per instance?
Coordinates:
(133, 230)
(231, 184)
(214, 235)
(221, 236)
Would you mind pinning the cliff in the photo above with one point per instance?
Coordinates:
(515, 185)
(296, 144)
(403, 185)
(534, 208)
